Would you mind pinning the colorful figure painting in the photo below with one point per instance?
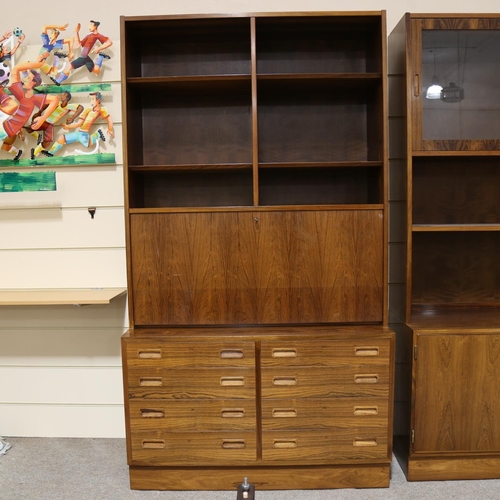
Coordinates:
(39, 113)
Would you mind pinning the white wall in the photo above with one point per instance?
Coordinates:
(60, 366)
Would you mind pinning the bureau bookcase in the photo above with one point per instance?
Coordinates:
(255, 151)
(448, 67)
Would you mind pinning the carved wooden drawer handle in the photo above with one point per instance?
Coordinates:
(150, 381)
(366, 379)
(284, 381)
(154, 444)
(284, 413)
(285, 443)
(233, 444)
(149, 354)
(364, 442)
(145, 413)
(284, 353)
(366, 351)
(232, 381)
(233, 413)
(232, 354)
(365, 410)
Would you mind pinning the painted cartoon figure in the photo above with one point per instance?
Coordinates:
(24, 92)
(88, 47)
(50, 43)
(84, 123)
(8, 104)
(45, 134)
(6, 55)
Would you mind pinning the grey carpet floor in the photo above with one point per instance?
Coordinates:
(96, 469)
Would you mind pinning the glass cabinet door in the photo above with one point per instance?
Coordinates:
(456, 92)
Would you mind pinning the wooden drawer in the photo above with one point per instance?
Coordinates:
(364, 442)
(323, 413)
(163, 352)
(192, 448)
(191, 416)
(356, 380)
(166, 383)
(325, 352)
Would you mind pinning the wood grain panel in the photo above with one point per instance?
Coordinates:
(454, 468)
(257, 267)
(162, 352)
(322, 447)
(321, 414)
(485, 22)
(193, 448)
(447, 269)
(192, 416)
(355, 380)
(324, 353)
(457, 382)
(456, 191)
(264, 478)
(161, 383)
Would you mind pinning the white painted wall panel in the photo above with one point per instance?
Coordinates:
(83, 421)
(61, 385)
(52, 268)
(62, 228)
(82, 347)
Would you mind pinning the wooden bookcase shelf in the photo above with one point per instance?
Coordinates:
(256, 209)
(447, 246)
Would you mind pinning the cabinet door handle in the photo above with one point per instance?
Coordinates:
(284, 353)
(284, 413)
(232, 381)
(150, 354)
(416, 85)
(360, 411)
(154, 443)
(233, 413)
(366, 379)
(366, 351)
(233, 444)
(285, 443)
(284, 381)
(152, 413)
(231, 354)
(151, 382)
(364, 442)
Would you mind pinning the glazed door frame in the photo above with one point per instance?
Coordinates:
(416, 93)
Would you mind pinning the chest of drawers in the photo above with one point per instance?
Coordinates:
(239, 401)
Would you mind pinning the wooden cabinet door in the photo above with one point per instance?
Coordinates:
(257, 267)
(457, 393)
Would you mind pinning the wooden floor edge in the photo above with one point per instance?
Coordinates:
(456, 468)
(268, 478)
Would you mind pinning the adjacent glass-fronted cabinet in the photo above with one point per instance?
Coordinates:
(448, 71)
(455, 91)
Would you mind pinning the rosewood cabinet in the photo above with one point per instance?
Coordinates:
(256, 214)
(447, 69)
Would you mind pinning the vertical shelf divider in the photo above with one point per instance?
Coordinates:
(255, 129)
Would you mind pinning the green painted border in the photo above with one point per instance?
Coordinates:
(73, 88)
(61, 161)
(18, 182)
